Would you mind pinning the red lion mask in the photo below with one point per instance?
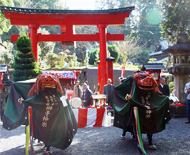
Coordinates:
(146, 81)
(45, 81)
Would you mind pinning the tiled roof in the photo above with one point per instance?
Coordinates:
(178, 47)
(45, 11)
(154, 66)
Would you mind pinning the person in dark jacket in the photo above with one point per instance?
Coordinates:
(163, 87)
(86, 95)
(108, 92)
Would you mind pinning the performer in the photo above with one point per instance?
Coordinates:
(141, 91)
(53, 120)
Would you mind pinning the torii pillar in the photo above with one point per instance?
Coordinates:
(103, 55)
(34, 39)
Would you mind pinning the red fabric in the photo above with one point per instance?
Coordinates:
(178, 104)
(70, 96)
(122, 71)
(82, 118)
(100, 116)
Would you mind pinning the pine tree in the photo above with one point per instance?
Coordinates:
(176, 13)
(24, 62)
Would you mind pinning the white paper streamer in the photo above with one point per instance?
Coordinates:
(63, 99)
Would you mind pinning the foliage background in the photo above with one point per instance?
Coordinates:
(150, 22)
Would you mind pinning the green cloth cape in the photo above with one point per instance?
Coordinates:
(61, 123)
(160, 113)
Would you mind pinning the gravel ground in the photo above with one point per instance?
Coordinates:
(175, 140)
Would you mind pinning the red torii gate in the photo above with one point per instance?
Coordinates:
(66, 19)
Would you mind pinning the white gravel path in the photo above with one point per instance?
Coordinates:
(175, 140)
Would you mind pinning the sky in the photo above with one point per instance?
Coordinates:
(80, 4)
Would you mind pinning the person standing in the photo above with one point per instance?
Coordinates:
(108, 92)
(163, 87)
(187, 92)
(87, 84)
(77, 90)
(86, 95)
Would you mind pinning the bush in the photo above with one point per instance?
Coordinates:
(92, 59)
(113, 53)
(171, 86)
(23, 44)
(52, 59)
(24, 62)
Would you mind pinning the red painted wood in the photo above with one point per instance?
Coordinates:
(76, 37)
(66, 19)
(34, 39)
(103, 55)
(14, 38)
(99, 78)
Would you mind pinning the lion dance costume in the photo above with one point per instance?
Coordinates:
(140, 92)
(53, 121)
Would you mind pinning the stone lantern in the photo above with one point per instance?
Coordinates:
(109, 67)
(181, 65)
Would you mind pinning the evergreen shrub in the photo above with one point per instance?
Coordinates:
(24, 63)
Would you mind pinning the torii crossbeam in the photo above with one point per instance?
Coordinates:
(34, 18)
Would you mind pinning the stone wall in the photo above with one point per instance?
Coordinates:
(91, 75)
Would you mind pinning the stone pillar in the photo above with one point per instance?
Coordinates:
(109, 67)
(34, 39)
(179, 84)
(103, 55)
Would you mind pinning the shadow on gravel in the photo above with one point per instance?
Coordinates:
(8, 133)
(19, 151)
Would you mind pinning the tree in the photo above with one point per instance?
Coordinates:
(83, 46)
(176, 19)
(7, 53)
(4, 23)
(95, 54)
(114, 52)
(129, 49)
(52, 59)
(143, 21)
(24, 62)
(152, 60)
(44, 47)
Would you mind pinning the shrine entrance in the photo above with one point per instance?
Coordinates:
(34, 18)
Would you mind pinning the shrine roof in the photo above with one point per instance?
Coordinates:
(178, 48)
(3, 68)
(27, 16)
(48, 11)
(153, 66)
